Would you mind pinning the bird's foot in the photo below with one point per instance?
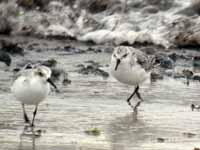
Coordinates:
(32, 125)
(129, 103)
(57, 91)
(27, 123)
(38, 133)
(31, 132)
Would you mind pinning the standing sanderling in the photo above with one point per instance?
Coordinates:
(131, 66)
(31, 87)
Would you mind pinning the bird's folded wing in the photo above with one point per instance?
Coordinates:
(146, 62)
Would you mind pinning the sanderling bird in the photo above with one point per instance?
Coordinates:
(131, 66)
(31, 87)
(188, 75)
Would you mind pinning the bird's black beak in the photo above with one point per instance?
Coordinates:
(51, 82)
(117, 64)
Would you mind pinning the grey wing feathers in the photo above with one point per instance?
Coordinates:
(25, 71)
(146, 62)
(142, 58)
(143, 61)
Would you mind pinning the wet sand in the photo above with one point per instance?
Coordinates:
(165, 120)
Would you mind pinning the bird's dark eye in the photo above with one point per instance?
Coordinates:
(125, 55)
(40, 74)
(114, 55)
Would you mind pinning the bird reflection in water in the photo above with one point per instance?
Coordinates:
(126, 131)
(28, 138)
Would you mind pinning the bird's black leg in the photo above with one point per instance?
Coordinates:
(34, 114)
(26, 119)
(129, 98)
(139, 96)
(187, 81)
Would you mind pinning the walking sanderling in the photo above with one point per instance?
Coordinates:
(131, 66)
(32, 86)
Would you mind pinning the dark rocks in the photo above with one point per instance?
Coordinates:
(41, 4)
(69, 2)
(196, 61)
(149, 50)
(50, 63)
(5, 57)
(25, 3)
(175, 56)
(57, 73)
(184, 32)
(195, 4)
(150, 9)
(98, 6)
(66, 81)
(196, 77)
(95, 6)
(93, 63)
(187, 73)
(5, 26)
(11, 47)
(161, 4)
(4, 1)
(187, 39)
(100, 49)
(161, 140)
(164, 61)
(108, 49)
(96, 50)
(15, 70)
(153, 5)
(73, 50)
(26, 30)
(60, 74)
(195, 107)
(155, 76)
(92, 68)
(189, 11)
(188, 134)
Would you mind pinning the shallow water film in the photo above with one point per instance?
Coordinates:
(164, 121)
(89, 111)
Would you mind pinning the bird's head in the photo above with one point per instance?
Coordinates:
(122, 54)
(44, 74)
